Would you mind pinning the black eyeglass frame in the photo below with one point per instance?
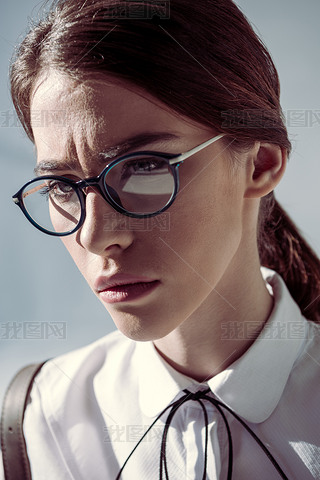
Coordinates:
(173, 162)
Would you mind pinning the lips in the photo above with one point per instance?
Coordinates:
(124, 288)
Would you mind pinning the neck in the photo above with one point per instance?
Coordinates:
(220, 331)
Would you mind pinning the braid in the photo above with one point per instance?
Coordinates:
(283, 249)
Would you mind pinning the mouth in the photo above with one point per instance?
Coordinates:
(124, 288)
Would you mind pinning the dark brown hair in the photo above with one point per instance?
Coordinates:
(201, 58)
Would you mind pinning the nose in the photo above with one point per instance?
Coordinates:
(104, 230)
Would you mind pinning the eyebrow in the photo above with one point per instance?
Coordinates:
(134, 142)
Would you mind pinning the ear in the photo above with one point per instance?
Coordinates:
(267, 166)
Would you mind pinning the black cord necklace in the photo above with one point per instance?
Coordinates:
(198, 397)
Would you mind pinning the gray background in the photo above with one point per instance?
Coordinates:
(39, 282)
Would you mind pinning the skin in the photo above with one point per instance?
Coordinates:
(206, 261)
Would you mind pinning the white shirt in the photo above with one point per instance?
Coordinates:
(89, 408)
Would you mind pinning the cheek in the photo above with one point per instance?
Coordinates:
(205, 227)
(209, 206)
(203, 241)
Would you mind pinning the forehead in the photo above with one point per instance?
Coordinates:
(78, 119)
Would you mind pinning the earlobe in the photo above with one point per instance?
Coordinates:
(267, 167)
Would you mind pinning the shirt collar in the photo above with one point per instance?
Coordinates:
(159, 383)
(251, 386)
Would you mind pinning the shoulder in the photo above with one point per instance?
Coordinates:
(69, 398)
(303, 388)
(75, 380)
(309, 355)
(85, 363)
(298, 411)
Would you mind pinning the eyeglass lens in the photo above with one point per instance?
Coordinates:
(140, 185)
(52, 204)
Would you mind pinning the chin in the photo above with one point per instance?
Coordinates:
(140, 331)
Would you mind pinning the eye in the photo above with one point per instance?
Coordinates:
(142, 166)
(58, 190)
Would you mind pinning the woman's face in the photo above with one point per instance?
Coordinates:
(168, 266)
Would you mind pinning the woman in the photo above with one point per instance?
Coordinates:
(208, 372)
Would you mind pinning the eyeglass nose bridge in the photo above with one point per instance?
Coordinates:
(100, 185)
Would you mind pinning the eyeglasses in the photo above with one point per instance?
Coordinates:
(140, 185)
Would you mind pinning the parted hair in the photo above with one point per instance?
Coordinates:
(201, 58)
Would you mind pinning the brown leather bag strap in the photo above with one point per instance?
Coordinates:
(14, 452)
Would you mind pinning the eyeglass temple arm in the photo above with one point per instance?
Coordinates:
(194, 150)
